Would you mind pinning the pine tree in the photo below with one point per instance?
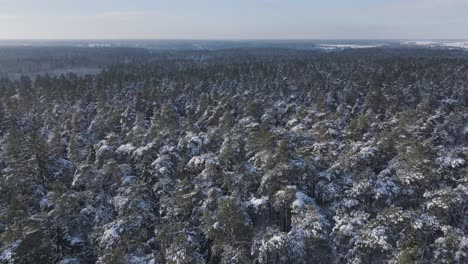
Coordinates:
(229, 225)
(40, 157)
(73, 151)
(228, 121)
(137, 133)
(56, 144)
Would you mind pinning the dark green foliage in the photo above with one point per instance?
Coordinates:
(236, 156)
(228, 226)
(35, 247)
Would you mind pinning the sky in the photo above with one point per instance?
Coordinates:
(233, 19)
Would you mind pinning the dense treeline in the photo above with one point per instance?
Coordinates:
(17, 61)
(239, 156)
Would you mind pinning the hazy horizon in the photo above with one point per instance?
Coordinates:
(233, 20)
(234, 39)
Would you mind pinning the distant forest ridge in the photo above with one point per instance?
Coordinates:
(62, 57)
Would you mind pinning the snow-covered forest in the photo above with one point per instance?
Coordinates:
(239, 156)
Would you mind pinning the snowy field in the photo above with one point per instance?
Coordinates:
(438, 44)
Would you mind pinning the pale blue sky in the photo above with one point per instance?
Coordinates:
(233, 19)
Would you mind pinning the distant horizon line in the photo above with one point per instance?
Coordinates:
(238, 39)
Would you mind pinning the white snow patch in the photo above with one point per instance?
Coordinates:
(7, 254)
(141, 150)
(70, 261)
(76, 241)
(111, 234)
(125, 149)
(347, 46)
(45, 201)
(451, 162)
(256, 203)
(140, 260)
(302, 200)
(199, 161)
(298, 128)
(441, 44)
